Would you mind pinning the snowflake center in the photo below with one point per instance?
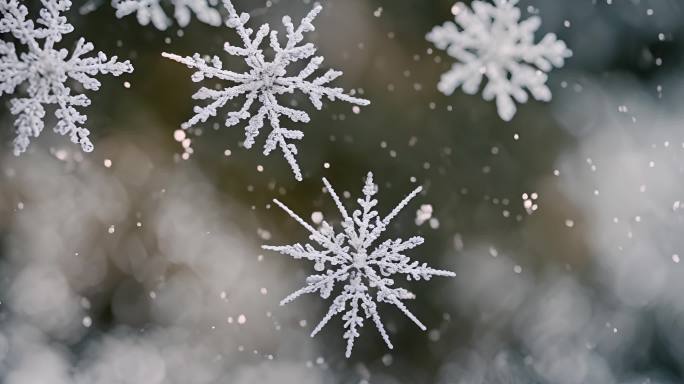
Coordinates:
(496, 50)
(49, 66)
(268, 75)
(360, 259)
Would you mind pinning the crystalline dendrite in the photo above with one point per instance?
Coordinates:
(152, 11)
(490, 41)
(45, 70)
(264, 82)
(364, 270)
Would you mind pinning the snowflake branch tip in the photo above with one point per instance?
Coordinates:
(265, 82)
(173, 57)
(358, 274)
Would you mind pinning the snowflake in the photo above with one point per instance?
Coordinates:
(491, 41)
(151, 10)
(46, 70)
(264, 82)
(348, 257)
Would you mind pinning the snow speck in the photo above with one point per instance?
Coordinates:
(423, 214)
(493, 252)
(263, 234)
(179, 135)
(529, 202)
(317, 217)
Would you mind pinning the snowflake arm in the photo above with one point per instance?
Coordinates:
(46, 70)
(12, 70)
(325, 237)
(345, 257)
(265, 82)
(490, 41)
(83, 69)
(152, 11)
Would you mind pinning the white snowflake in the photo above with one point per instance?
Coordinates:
(153, 11)
(490, 40)
(46, 70)
(264, 82)
(350, 257)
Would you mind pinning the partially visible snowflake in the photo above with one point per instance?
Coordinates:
(365, 269)
(491, 41)
(46, 70)
(153, 11)
(264, 82)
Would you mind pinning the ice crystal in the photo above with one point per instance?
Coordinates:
(490, 41)
(264, 82)
(349, 257)
(153, 11)
(46, 71)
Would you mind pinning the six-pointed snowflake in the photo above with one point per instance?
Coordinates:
(264, 82)
(152, 11)
(46, 70)
(491, 41)
(349, 257)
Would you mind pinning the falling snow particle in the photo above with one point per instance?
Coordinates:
(423, 214)
(529, 202)
(263, 234)
(493, 252)
(317, 217)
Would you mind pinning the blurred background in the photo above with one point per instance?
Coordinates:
(132, 265)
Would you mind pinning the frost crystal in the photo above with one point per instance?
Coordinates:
(152, 11)
(490, 41)
(264, 82)
(46, 70)
(350, 257)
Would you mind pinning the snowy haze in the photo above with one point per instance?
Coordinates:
(564, 226)
(110, 278)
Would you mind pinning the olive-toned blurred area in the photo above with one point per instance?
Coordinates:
(564, 226)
